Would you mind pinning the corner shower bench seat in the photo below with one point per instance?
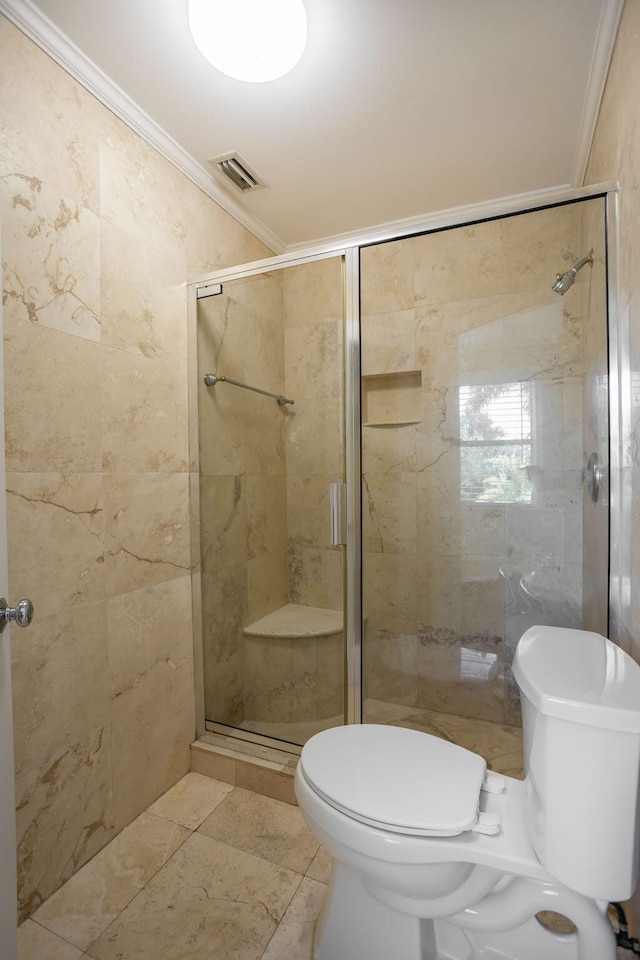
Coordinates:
(294, 664)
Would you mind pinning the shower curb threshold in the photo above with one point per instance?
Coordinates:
(260, 769)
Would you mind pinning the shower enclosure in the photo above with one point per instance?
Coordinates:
(374, 549)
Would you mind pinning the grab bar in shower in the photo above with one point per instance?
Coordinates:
(211, 379)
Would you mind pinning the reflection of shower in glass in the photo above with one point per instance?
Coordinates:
(565, 280)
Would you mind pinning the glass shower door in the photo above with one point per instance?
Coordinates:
(482, 398)
(272, 581)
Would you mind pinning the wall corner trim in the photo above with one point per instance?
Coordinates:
(55, 44)
(603, 50)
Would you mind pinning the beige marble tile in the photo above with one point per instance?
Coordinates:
(293, 939)
(132, 177)
(52, 431)
(139, 309)
(214, 238)
(313, 293)
(320, 866)
(191, 800)
(64, 815)
(60, 683)
(266, 579)
(50, 109)
(265, 827)
(266, 515)
(144, 414)
(490, 740)
(55, 527)
(387, 277)
(37, 943)
(459, 264)
(312, 362)
(390, 665)
(86, 905)
(149, 640)
(313, 439)
(307, 521)
(390, 592)
(388, 342)
(510, 765)
(210, 762)
(389, 510)
(266, 425)
(389, 449)
(538, 245)
(146, 529)
(316, 576)
(442, 339)
(223, 519)
(51, 258)
(209, 900)
(151, 750)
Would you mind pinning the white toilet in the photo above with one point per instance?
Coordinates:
(434, 858)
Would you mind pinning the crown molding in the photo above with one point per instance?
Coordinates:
(455, 216)
(49, 38)
(605, 41)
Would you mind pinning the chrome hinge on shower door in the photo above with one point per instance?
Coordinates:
(337, 502)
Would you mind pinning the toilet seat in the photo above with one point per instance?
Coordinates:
(398, 779)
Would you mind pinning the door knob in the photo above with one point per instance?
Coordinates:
(21, 614)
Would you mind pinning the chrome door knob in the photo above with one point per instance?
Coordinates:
(21, 614)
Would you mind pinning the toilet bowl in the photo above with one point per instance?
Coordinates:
(435, 858)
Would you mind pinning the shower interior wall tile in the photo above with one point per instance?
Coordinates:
(459, 264)
(313, 429)
(389, 268)
(313, 293)
(388, 343)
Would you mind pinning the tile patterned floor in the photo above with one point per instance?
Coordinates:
(208, 872)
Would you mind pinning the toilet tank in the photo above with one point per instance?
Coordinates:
(580, 697)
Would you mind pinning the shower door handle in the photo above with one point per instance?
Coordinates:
(336, 513)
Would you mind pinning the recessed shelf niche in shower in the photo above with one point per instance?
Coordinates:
(391, 399)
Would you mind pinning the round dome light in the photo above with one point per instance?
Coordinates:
(256, 40)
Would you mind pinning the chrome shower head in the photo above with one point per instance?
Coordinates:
(565, 280)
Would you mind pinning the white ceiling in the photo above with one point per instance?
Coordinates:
(398, 108)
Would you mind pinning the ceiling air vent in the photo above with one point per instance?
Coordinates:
(236, 169)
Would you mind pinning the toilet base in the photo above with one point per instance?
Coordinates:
(354, 926)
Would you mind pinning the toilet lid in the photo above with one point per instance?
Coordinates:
(396, 778)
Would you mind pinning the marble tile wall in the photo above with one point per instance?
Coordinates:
(314, 428)
(615, 155)
(443, 577)
(98, 236)
(242, 479)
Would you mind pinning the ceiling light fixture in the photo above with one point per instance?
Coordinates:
(256, 40)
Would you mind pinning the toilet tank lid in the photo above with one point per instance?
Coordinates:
(579, 676)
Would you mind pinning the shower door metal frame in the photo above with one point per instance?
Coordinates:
(351, 433)
(349, 250)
